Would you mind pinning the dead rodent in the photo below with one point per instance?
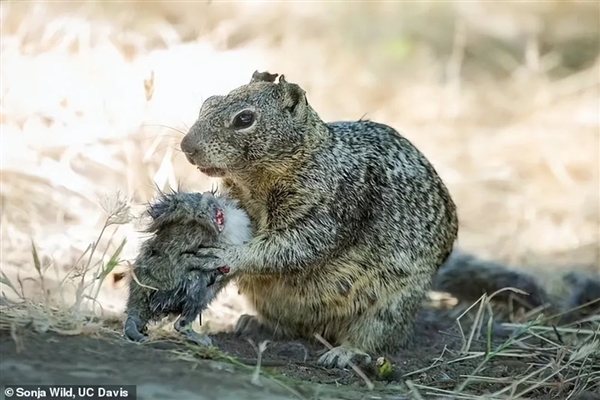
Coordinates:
(351, 220)
(182, 223)
(570, 295)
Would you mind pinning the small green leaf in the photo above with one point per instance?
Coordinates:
(113, 262)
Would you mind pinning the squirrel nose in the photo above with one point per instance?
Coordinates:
(187, 144)
(190, 158)
(188, 148)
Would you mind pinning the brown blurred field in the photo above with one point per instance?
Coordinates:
(503, 97)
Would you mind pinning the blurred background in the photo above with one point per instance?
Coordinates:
(503, 97)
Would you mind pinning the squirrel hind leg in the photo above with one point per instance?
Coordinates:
(387, 326)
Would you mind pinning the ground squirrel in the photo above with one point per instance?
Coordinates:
(570, 295)
(181, 224)
(351, 220)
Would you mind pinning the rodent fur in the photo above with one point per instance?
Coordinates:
(564, 293)
(181, 224)
(351, 219)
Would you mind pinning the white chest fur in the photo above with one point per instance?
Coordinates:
(238, 229)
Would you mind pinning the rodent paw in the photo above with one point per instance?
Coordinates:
(198, 338)
(210, 259)
(341, 357)
(134, 329)
(184, 327)
(135, 337)
(210, 252)
(138, 339)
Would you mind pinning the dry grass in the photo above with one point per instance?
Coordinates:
(95, 96)
(563, 361)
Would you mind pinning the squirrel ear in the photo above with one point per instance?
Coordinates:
(294, 97)
(263, 77)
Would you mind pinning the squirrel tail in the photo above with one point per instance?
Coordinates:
(467, 278)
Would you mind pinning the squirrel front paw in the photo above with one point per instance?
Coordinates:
(341, 357)
(210, 259)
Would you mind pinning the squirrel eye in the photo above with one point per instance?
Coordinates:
(243, 120)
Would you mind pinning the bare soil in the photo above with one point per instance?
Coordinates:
(171, 369)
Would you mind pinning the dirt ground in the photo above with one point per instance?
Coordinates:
(491, 92)
(170, 369)
(436, 365)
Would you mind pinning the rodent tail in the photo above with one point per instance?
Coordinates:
(468, 277)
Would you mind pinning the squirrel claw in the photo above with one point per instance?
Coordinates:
(341, 357)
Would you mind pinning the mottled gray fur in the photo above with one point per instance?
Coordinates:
(351, 220)
(467, 278)
(182, 224)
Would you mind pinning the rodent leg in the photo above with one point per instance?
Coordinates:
(134, 325)
(386, 326)
(183, 325)
(251, 326)
(192, 309)
(341, 356)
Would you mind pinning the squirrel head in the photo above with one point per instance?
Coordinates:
(262, 123)
(178, 208)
